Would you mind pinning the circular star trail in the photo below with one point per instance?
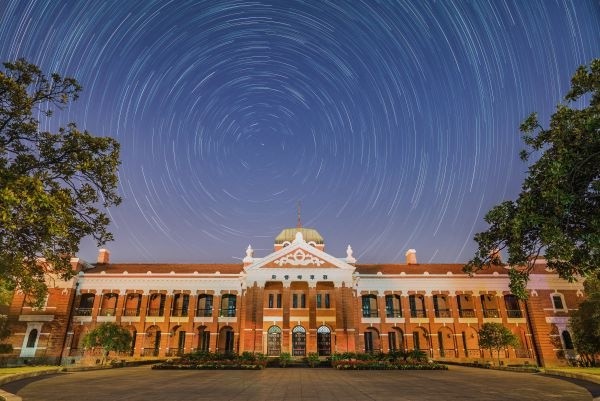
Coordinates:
(395, 123)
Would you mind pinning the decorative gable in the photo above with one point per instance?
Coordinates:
(299, 258)
(298, 254)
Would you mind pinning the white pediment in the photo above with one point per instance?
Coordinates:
(299, 254)
(299, 258)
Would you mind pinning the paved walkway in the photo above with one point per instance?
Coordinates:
(142, 383)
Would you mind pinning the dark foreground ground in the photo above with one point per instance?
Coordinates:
(458, 383)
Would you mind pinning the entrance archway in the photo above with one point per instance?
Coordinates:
(274, 341)
(226, 340)
(324, 341)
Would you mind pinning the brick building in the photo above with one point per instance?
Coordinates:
(298, 299)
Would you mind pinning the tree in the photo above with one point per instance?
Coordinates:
(53, 186)
(494, 336)
(5, 333)
(109, 337)
(557, 212)
(585, 323)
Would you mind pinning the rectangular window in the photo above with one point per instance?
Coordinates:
(558, 303)
(271, 299)
(327, 303)
(392, 340)
(294, 301)
(368, 341)
(416, 340)
(185, 305)
(279, 300)
(303, 300)
(181, 342)
(318, 300)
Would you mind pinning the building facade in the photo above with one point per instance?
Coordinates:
(298, 299)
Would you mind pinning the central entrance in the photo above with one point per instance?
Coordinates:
(274, 341)
(299, 341)
(324, 341)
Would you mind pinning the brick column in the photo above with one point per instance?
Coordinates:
(311, 330)
(285, 329)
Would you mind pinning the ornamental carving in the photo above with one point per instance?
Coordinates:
(299, 258)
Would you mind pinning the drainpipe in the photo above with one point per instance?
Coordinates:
(534, 343)
(69, 319)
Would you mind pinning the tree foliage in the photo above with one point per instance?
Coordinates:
(495, 336)
(109, 337)
(557, 213)
(4, 334)
(585, 323)
(53, 186)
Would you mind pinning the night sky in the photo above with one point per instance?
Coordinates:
(394, 123)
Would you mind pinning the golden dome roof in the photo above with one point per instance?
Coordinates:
(289, 234)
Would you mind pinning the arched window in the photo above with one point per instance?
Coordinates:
(32, 338)
(108, 304)
(274, 341)
(86, 303)
(513, 308)
(203, 339)
(156, 305)
(372, 343)
(324, 341)
(568, 343)
(369, 306)
(417, 305)
(393, 306)
(441, 306)
(205, 305)
(180, 305)
(299, 341)
(228, 305)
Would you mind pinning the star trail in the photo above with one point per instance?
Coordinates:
(395, 123)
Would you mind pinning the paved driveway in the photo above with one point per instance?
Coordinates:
(142, 383)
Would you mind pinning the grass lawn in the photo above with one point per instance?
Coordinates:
(23, 369)
(589, 371)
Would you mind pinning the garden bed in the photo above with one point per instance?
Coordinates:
(379, 365)
(206, 366)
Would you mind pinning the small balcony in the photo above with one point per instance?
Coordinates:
(443, 313)
(155, 312)
(227, 312)
(175, 352)
(206, 312)
(514, 314)
(149, 352)
(491, 313)
(393, 313)
(419, 313)
(131, 312)
(467, 313)
(179, 312)
(107, 312)
(370, 313)
(83, 311)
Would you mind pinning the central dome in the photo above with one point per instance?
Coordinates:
(289, 235)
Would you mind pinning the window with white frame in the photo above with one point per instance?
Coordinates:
(558, 301)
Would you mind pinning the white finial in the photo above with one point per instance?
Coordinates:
(249, 255)
(349, 257)
(299, 237)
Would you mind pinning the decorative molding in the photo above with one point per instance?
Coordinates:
(299, 258)
(36, 318)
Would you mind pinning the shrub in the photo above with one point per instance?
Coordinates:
(313, 359)
(284, 359)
